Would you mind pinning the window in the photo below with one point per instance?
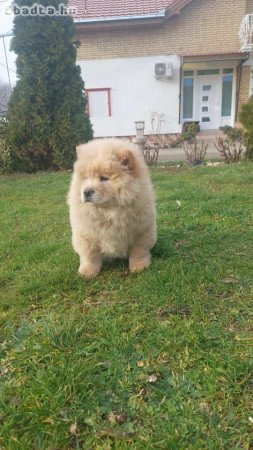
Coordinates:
(206, 119)
(188, 73)
(99, 102)
(208, 72)
(205, 109)
(205, 98)
(227, 89)
(207, 87)
(187, 98)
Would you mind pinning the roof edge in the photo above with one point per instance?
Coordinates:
(215, 57)
(160, 14)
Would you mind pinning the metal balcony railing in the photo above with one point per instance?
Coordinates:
(246, 33)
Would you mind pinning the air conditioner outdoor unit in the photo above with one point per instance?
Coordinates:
(163, 70)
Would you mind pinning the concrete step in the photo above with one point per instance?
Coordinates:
(210, 136)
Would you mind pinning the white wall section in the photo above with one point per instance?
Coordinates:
(135, 93)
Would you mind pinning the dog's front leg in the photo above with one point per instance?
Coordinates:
(139, 252)
(139, 258)
(90, 257)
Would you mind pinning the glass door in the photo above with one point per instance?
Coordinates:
(209, 102)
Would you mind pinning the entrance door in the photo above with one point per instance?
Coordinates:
(209, 96)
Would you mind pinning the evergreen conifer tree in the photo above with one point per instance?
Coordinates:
(47, 110)
(246, 119)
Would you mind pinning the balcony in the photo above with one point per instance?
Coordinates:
(246, 33)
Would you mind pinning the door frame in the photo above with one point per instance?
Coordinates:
(196, 116)
(214, 109)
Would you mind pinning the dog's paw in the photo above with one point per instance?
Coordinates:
(88, 271)
(138, 266)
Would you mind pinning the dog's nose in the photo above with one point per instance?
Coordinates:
(88, 192)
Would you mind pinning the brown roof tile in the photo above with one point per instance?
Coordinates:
(98, 9)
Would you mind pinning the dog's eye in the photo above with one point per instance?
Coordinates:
(102, 178)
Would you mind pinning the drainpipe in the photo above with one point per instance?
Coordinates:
(180, 87)
(238, 90)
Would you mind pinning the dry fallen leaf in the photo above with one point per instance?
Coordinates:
(121, 417)
(64, 414)
(152, 378)
(178, 203)
(5, 371)
(251, 420)
(111, 418)
(180, 242)
(49, 420)
(238, 338)
(118, 434)
(205, 408)
(228, 280)
(140, 363)
(15, 401)
(180, 310)
(106, 293)
(73, 428)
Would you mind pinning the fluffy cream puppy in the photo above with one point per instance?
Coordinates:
(112, 210)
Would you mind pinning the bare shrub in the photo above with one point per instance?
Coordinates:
(153, 144)
(188, 135)
(231, 152)
(195, 152)
(150, 152)
(4, 97)
(233, 134)
(156, 119)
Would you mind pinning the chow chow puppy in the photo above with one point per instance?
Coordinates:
(112, 210)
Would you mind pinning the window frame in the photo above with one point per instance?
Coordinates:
(108, 90)
(223, 102)
(188, 77)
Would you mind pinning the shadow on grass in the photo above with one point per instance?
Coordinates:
(164, 247)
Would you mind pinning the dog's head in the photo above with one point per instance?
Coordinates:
(108, 171)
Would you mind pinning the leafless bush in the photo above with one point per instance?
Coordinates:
(150, 152)
(156, 119)
(195, 152)
(231, 152)
(4, 96)
(163, 141)
(153, 144)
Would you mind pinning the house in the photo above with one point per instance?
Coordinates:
(184, 58)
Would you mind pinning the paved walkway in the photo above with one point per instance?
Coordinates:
(178, 154)
(208, 137)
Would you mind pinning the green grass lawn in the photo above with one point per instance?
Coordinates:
(162, 359)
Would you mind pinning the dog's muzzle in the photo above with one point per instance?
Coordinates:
(87, 195)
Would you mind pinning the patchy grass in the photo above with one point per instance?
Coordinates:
(162, 359)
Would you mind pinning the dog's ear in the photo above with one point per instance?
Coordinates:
(127, 160)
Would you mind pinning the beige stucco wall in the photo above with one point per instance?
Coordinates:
(244, 89)
(204, 26)
(249, 7)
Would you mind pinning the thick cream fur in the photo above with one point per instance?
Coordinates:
(119, 220)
